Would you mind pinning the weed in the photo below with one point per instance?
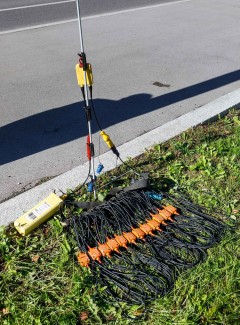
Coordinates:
(41, 283)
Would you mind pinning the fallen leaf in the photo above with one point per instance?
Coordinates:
(5, 311)
(35, 258)
(46, 231)
(84, 315)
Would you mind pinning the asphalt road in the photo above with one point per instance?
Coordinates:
(150, 66)
(15, 14)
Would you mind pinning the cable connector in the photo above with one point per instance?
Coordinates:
(90, 187)
(82, 61)
(99, 168)
(155, 196)
(110, 144)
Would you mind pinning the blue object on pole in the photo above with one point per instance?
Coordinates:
(90, 187)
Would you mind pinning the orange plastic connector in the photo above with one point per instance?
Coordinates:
(83, 259)
(95, 254)
(147, 229)
(159, 218)
(131, 238)
(171, 209)
(139, 233)
(104, 249)
(112, 244)
(122, 241)
(154, 224)
(166, 214)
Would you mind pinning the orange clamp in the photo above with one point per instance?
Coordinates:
(139, 233)
(122, 241)
(159, 218)
(83, 259)
(154, 224)
(171, 209)
(112, 244)
(131, 238)
(104, 249)
(95, 254)
(166, 214)
(147, 229)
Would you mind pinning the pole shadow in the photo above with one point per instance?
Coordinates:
(57, 126)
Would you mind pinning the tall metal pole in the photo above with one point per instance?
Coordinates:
(82, 49)
(86, 93)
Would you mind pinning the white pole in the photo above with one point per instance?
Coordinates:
(82, 48)
(86, 93)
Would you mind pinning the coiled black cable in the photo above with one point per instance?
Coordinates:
(149, 268)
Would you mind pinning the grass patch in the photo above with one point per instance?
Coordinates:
(41, 283)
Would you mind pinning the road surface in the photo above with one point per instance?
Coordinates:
(15, 14)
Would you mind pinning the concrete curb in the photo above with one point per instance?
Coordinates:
(15, 207)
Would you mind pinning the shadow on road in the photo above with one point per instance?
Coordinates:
(61, 125)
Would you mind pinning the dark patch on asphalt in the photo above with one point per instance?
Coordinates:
(159, 84)
(52, 130)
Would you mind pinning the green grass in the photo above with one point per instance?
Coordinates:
(41, 283)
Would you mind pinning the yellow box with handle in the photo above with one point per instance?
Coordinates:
(38, 214)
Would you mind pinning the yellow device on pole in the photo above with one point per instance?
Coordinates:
(80, 75)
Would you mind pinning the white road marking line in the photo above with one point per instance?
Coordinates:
(92, 17)
(37, 26)
(136, 9)
(39, 5)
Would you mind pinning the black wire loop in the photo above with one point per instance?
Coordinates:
(148, 268)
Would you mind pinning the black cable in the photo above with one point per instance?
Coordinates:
(149, 268)
(101, 129)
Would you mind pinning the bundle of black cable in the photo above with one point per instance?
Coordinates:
(147, 267)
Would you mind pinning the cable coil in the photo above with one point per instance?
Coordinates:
(135, 246)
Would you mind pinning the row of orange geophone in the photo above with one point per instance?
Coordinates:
(113, 244)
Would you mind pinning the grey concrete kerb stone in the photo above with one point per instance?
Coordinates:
(15, 207)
